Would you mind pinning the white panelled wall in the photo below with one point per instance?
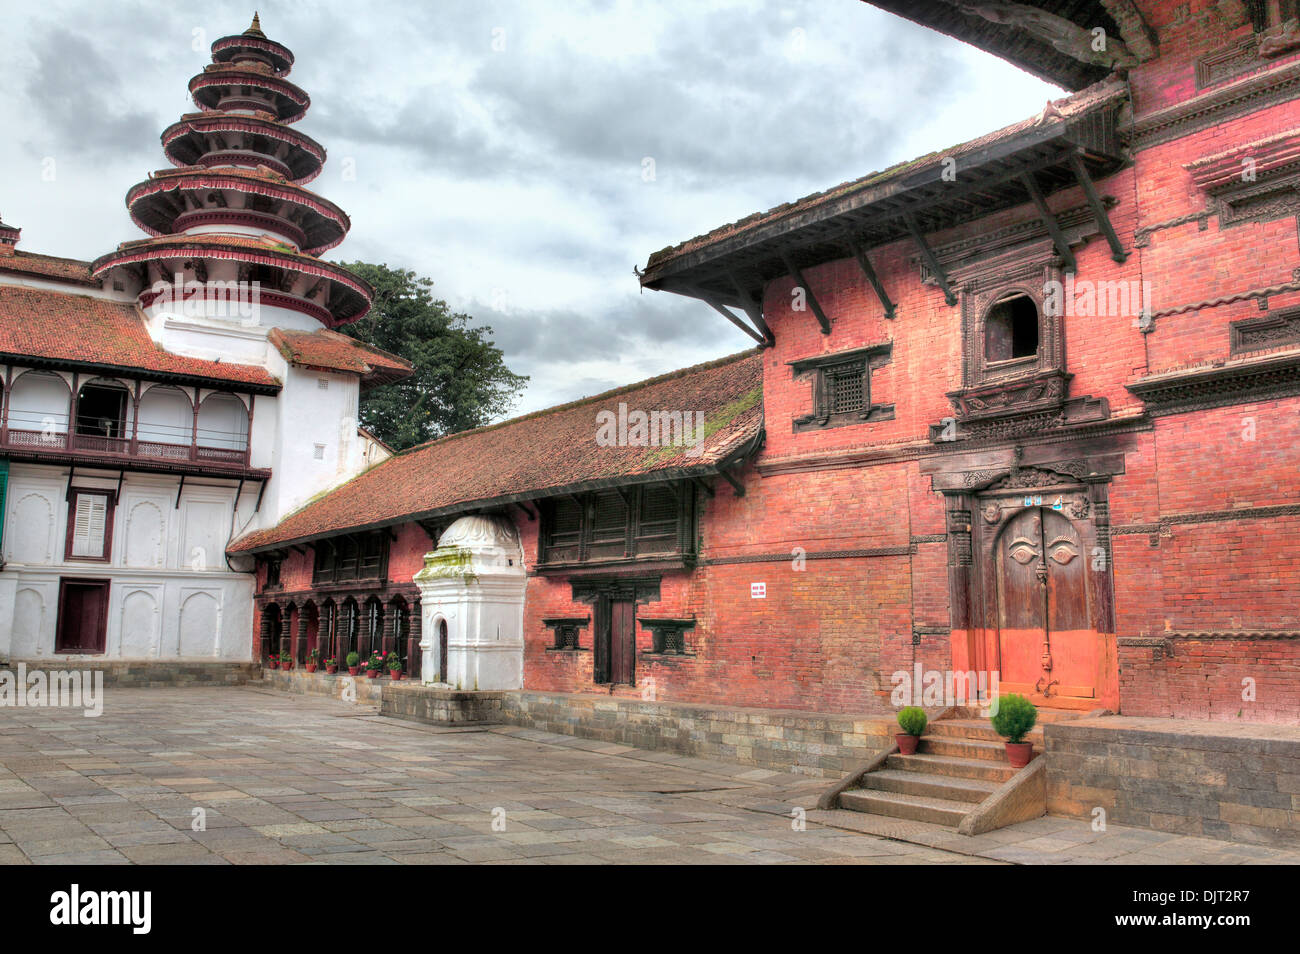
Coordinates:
(172, 595)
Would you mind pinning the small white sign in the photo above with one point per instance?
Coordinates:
(758, 591)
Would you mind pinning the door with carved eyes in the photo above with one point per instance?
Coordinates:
(1047, 647)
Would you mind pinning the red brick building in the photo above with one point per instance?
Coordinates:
(1029, 405)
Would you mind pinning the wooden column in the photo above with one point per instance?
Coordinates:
(298, 632)
(194, 428)
(265, 636)
(386, 624)
(4, 421)
(135, 419)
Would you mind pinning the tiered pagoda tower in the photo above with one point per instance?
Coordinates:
(235, 208)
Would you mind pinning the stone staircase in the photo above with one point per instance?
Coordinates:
(959, 763)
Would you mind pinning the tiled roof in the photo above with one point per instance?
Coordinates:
(541, 454)
(1085, 101)
(332, 351)
(82, 330)
(49, 267)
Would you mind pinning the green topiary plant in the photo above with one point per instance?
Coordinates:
(1014, 717)
(912, 720)
(352, 660)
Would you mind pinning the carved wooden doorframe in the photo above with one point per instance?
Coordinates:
(977, 520)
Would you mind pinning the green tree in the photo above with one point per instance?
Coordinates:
(460, 380)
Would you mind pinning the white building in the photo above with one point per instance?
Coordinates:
(180, 390)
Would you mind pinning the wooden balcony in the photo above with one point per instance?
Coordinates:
(114, 452)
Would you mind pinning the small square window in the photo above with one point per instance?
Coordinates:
(323, 384)
(319, 452)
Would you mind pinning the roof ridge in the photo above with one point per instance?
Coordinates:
(554, 409)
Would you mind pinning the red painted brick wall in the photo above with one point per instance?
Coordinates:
(1195, 547)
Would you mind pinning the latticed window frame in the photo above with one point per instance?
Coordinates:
(841, 387)
(855, 375)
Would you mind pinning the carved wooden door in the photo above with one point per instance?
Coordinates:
(1047, 647)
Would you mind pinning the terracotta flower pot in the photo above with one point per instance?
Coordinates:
(272, 663)
(311, 667)
(352, 670)
(372, 673)
(395, 673)
(286, 666)
(1019, 753)
(906, 743)
(332, 670)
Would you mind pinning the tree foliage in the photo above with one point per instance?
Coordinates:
(460, 380)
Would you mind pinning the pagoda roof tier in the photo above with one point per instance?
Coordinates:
(228, 48)
(206, 88)
(185, 145)
(155, 207)
(346, 297)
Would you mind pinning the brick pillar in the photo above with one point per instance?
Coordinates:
(413, 655)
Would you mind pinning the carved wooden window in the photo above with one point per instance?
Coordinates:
(272, 573)
(363, 557)
(841, 387)
(1007, 333)
(613, 525)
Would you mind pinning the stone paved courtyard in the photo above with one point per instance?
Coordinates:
(291, 779)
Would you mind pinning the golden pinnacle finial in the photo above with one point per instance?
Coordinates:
(256, 28)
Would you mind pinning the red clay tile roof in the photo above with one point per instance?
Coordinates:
(1094, 97)
(48, 267)
(332, 351)
(538, 455)
(82, 330)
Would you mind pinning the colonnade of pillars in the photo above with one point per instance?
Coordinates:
(395, 628)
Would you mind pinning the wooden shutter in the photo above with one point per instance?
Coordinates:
(90, 523)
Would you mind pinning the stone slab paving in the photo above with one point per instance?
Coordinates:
(292, 779)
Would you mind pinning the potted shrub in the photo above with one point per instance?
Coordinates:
(353, 660)
(1016, 715)
(313, 660)
(912, 720)
(272, 661)
(374, 665)
(394, 666)
(286, 661)
(331, 665)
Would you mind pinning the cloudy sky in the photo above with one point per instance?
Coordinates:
(525, 154)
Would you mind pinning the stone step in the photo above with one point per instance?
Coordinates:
(948, 767)
(929, 786)
(1045, 716)
(978, 729)
(966, 748)
(937, 811)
